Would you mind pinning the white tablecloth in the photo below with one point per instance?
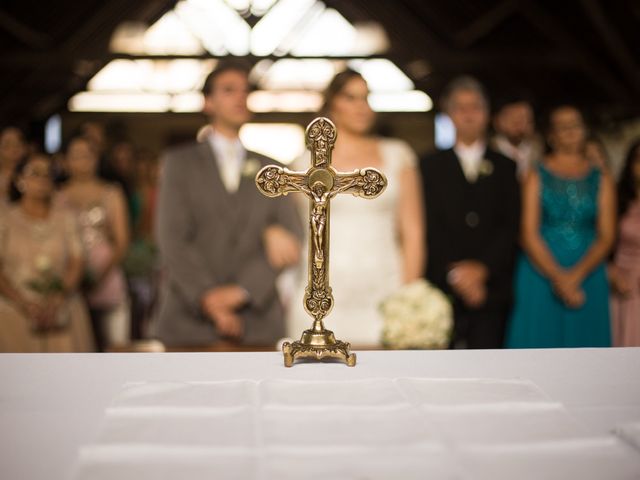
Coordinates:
(448, 414)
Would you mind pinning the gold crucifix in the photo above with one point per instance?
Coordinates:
(320, 183)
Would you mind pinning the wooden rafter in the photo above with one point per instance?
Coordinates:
(591, 65)
(617, 47)
(485, 23)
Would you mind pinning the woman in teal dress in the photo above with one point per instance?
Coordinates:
(568, 225)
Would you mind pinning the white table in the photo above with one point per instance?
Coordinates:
(50, 405)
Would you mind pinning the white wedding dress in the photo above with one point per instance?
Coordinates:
(365, 259)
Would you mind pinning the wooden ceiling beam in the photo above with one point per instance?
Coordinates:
(485, 24)
(613, 41)
(22, 32)
(90, 35)
(592, 66)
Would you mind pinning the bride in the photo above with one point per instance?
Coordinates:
(375, 245)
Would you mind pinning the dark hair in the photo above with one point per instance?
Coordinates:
(462, 83)
(79, 137)
(511, 98)
(336, 86)
(7, 128)
(561, 106)
(14, 192)
(223, 66)
(627, 192)
(546, 124)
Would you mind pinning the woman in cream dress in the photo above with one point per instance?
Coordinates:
(375, 245)
(40, 268)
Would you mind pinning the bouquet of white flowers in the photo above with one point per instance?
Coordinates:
(417, 316)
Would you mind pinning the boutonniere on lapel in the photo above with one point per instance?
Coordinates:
(486, 168)
(250, 167)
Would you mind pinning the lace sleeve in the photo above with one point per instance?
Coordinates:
(398, 155)
(406, 157)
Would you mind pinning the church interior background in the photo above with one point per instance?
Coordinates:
(138, 67)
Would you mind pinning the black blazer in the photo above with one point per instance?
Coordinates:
(472, 221)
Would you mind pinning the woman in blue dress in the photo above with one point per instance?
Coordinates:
(568, 225)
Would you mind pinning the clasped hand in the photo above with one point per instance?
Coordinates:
(281, 246)
(567, 285)
(620, 282)
(221, 304)
(43, 315)
(468, 279)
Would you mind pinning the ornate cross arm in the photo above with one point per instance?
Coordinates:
(274, 181)
(365, 183)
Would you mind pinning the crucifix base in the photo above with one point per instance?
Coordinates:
(318, 345)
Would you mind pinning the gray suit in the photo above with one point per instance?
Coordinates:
(209, 237)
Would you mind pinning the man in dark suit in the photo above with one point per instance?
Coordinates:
(222, 243)
(473, 206)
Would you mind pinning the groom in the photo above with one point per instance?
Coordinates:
(472, 206)
(222, 243)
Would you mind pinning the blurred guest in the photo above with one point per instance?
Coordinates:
(625, 268)
(141, 263)
(122, 159)
(147, 175)
(221, 242)
(515, 136)
(121, 165)
(58, 167)
(95, 133)
(12, 150)
(596, 153)
(473, 206)
(102, 214)
(40, 268)
(568, 226)
(376, 247)
(124, 166)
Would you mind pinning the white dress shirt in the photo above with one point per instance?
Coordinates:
(524, 154)
(470, 157)
(230, 155)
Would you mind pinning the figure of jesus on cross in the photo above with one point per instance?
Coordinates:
(320, 183)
